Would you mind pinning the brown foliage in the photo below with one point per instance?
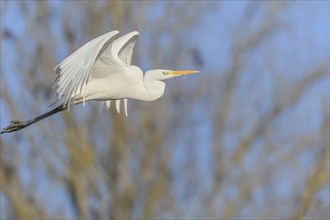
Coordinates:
(86, 164)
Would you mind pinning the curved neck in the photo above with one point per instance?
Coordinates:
(154, 89)
(148, 89)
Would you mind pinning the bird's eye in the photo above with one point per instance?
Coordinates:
(165, 73)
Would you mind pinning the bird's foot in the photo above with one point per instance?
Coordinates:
(14, 125)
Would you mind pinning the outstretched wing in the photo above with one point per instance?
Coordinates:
(121, 51)
(122, 47)
(72, 73)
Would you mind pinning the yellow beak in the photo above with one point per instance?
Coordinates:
(184, 72)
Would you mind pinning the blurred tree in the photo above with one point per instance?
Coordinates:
(247, 138)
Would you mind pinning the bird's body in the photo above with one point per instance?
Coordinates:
(101, 87)
(101, 70)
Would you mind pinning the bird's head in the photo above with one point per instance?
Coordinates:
(160, 74)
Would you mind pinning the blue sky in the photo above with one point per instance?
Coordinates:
(301, 43)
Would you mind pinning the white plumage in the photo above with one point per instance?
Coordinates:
(101, 70)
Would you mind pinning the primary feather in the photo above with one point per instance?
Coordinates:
(97, 59)
(72, 73)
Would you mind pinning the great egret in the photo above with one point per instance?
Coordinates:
(100, 70)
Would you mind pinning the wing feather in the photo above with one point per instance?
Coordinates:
(121, 52)
(72, 73)
(122, 48)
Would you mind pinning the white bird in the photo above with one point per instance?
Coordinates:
(101, 70)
